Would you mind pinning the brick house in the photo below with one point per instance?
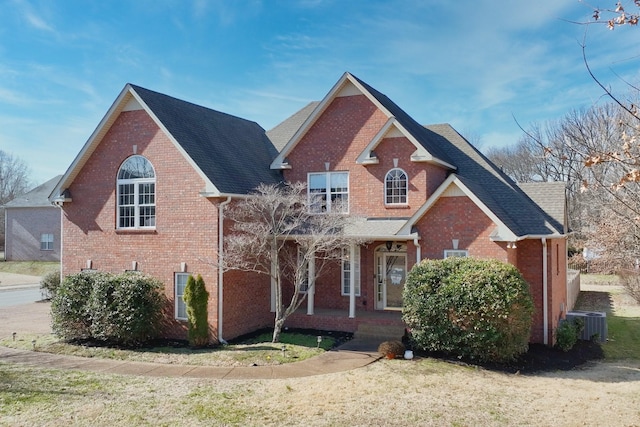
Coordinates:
(148, 192)
(32, 226)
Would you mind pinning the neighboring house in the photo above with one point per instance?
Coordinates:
(148, 192)
(32, 226)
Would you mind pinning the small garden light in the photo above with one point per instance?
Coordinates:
(284, 350)
(33, 342)
(319, 340)
(14, 336)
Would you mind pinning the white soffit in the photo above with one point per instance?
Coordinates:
(453, 191)
(132, 105)
(349, 89)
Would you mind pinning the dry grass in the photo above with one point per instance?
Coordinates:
(390, 392)
(31, 268)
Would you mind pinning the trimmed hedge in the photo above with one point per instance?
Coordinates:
(124, 309)
(479, 309)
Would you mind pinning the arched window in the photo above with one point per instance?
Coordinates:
(136, 194)
(395, 187)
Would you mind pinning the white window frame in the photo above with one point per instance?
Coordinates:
(450, 253)
(346, 272)
(46, 242)
(389, 198)
(140, 187)
(179, 301)
(329, 194)
(304, 286)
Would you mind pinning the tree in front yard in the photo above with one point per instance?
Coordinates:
(276, 232)
(480, 309)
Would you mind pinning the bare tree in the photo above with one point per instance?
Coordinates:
(14, 181)
(276, 232)
(14, 177)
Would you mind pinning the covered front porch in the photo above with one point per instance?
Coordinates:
(385, 324)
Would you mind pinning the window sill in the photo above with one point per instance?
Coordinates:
(136, 231)
(397, 206)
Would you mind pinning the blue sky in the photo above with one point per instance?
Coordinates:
(475, 65)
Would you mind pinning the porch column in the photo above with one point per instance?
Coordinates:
(352, 280)
(311, 289)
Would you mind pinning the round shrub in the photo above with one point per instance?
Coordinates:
(122, 309)
(126, 309)
(70, 315)
(479, 309)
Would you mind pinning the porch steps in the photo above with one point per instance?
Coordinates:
(380, 333)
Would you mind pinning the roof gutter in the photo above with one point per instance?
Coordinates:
(221, 266)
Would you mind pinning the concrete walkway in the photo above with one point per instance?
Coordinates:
(35, 318)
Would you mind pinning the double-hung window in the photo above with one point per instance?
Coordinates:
(180, 285)
(46, 242)
(136, 194)
(328, 192)
(395, 187)
(346, 271)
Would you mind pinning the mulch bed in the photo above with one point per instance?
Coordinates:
(539, 358)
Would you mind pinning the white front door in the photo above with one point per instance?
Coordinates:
(391, 273)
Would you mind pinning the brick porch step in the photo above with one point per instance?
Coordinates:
(379, 332)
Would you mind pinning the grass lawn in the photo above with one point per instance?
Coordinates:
(258, 350)
(31, 268)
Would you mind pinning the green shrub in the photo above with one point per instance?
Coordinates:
(50, 283)
(123, 309)
(70, 316)
(196, 298)
(568, 332)
(480, 309)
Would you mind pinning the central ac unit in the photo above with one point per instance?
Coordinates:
(595, 324)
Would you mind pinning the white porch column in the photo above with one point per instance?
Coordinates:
(352, 280)
(311, 290)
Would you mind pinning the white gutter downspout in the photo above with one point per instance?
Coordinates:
(418, 250)
(545, 308)
(220, 265)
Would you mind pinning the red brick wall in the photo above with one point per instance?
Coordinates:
(186, 223)
(458, 218)
(530, 256)
(340, 135)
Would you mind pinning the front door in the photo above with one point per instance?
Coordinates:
(391, 273)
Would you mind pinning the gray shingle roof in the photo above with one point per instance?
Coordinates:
(496, 190)
(282, 133)
(232, 152)
(518, 207)
(36, 198)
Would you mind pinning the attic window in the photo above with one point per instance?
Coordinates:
(136, 186)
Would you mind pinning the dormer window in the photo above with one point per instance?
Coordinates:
(395, 187)
(136, 194)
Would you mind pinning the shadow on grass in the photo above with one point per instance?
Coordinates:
(594, 301)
